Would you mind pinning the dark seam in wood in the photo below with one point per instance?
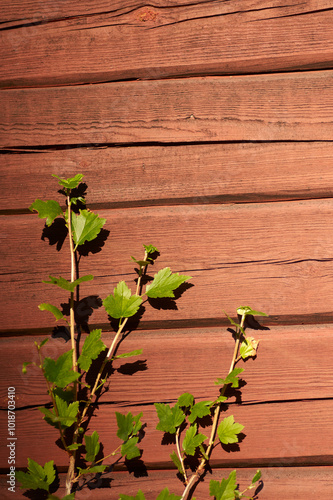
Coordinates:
(310, 12)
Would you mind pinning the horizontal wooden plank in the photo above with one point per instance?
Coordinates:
(56, 43)
(273, 435)
(294, 483)
(185, 366)
(275, 257)
(151, 175)
(249, 108)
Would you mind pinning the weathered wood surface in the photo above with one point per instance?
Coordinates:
(275, 107)
(273, 256)
(52, 43)
(187, 355)
(159, 175)
(273, 435)
(292, 483)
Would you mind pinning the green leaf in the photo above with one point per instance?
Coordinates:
(165, 495)
(200, 410)
(91, 349)
(129, 449)
(37, 477)
(122, 304)
(92, 446)
(66, 497)
(59, 372)
(138, 496)
(186, 400)
(248, 347)
(70, 183)
(228, 430)
(192, 440)
(137, 352)
(66, 413)
(65, 394)
(52, 309)
(232, 378)
(164, 283)
(68, 285)
(169, 418)
(174, 457)
(257, 476)
(232, 322)
(48, 210)
(141, 263)
(93, 470)
(86, 226)
(224, 490)
(128, 425)
(150, 249)
(247, 311)
(74, 446)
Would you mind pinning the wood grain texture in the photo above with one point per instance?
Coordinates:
(273, 256)
(273, 436)
(190, 174)
(47, 44)
(290, 107)
(294, 483)
(289, 361)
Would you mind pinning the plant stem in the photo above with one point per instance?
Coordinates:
(71, 468)
(180, 455)
(201, 468)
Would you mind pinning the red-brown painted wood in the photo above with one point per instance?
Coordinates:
(56, 44)
(272, 256)
(177, 361)
(294, 483)
(275, 107)
(218, 173)
(274, 435)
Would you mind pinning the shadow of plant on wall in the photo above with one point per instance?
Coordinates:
(77, 378)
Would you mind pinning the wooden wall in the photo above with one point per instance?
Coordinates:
(204, 128)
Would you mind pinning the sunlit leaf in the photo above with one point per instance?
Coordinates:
(91, 349)
(164, 284)
(86, 226)
(48, 210)
(70, 183)
(121, 304)
(228, 430)
(52, 309)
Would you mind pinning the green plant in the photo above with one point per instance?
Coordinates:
(66, 377)
(186, 414)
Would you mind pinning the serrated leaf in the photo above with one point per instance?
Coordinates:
(185, 400)
(59, 371)
(248, 347)
(92, 347)
(228, 430)
(37, 477)
(129, 449)
(231, 321)
(52, 309)
(86, 226)
(137, 352)
(128, 425)
(192, 440)
(71, 496)
(248, 311)
(150, 249)
(232, 378)
(70, 183)
(92, 446)
(69, 286)
(225, 490)
(169, 418)
(174, 457)
(164, 284)
(48, 210)
(122, 304)
(200, 410)
(165, 495)
(138, 496)
(66, 413)
(93, 470)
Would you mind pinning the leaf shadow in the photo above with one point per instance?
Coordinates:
(169, 303)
